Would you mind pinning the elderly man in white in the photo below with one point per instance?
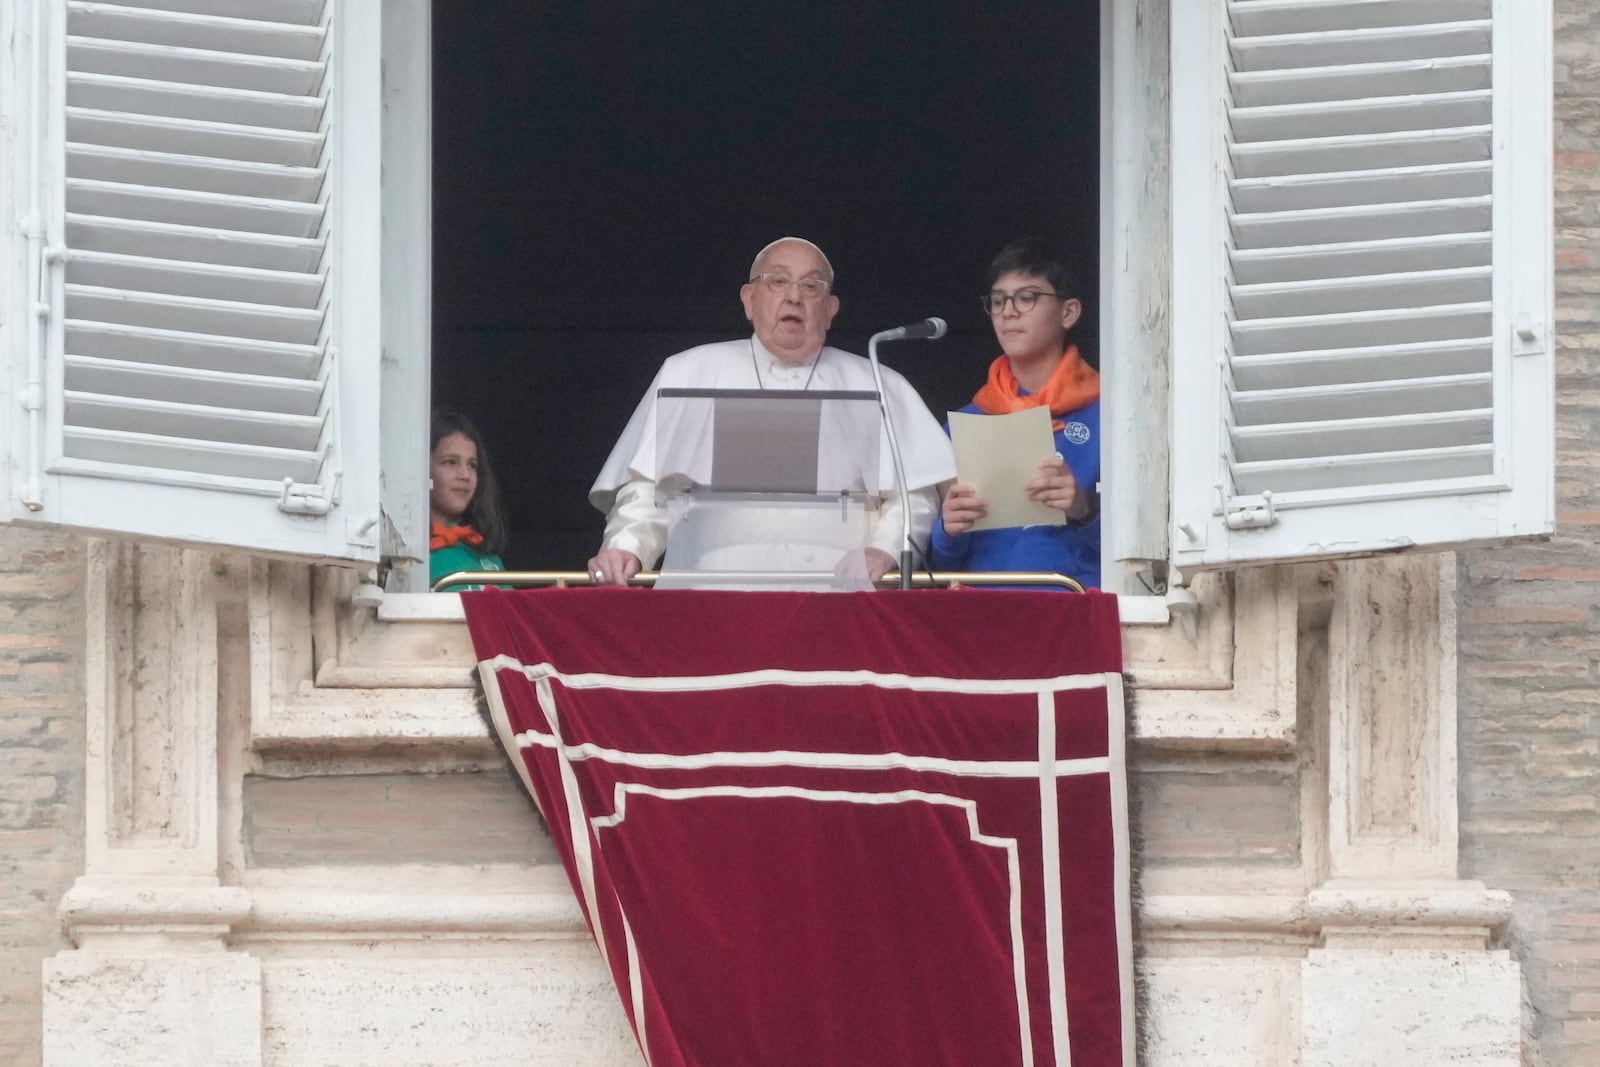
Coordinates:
(789, 300)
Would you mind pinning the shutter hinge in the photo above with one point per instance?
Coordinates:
(1527, 335)
(1248, 512)
(300, 499)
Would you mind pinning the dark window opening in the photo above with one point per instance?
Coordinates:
(604, 173)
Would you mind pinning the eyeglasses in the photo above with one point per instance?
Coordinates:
(994, 303)
(810, 288)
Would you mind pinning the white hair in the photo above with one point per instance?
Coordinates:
(755, 264)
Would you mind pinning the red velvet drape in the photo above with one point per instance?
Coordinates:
(828, 829)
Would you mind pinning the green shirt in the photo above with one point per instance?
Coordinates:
(460, 557)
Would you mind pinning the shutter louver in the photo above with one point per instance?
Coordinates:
(1336, 127)
(200, 198)
(1361, 354)
(196, 335)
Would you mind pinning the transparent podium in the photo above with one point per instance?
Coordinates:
(766, 489)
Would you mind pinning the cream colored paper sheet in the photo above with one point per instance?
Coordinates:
(998, 455)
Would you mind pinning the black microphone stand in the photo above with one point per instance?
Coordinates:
(930, 329)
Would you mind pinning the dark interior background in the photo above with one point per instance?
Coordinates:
(603, 174)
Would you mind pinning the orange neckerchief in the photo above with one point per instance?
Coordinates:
(445, 536)
(1071, 385)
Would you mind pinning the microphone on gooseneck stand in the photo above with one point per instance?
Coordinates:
(926, 330)
(929, 329)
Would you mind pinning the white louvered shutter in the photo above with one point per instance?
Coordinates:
(210, 357)
(1362, 351)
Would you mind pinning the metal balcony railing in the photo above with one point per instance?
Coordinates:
(921, 580)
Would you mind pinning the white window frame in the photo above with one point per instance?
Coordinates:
(407, 377)
(1135, 288)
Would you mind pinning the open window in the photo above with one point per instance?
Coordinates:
(604, 173)
(216, 327)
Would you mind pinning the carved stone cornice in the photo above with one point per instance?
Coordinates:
(328, 674)
(102, 913)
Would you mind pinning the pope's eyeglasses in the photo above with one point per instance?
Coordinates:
(810, 288)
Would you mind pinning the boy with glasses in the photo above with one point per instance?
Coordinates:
(1031, 305)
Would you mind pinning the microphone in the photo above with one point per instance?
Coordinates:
(930, 329)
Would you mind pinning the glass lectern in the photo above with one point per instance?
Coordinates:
(766, 489)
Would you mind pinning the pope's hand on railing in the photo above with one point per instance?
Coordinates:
(879, 563)
(613, 566)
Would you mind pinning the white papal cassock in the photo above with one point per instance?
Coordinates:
(625, 489)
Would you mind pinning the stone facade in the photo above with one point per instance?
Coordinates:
(1530, 634)
(274, 825)
(41, 767)
(300, 846)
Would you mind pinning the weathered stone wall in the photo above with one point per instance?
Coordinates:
(41, 767)
(1530, 634)
(352, 819)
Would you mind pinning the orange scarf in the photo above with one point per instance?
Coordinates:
(1072, 385)
(445, 536)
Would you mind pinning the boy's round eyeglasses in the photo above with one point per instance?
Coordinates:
(994, 303)
(810, 288)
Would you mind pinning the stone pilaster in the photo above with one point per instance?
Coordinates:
(151, 980)
(1405, 971)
